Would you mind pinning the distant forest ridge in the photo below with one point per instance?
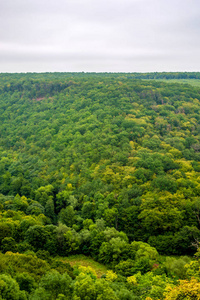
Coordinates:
(52, 82)
(136, 75)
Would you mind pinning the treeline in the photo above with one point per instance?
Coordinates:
(24, 77)
(167, 75)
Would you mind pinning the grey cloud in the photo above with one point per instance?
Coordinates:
(147, 35)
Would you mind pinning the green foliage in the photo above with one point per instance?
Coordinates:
(87, 288)
(36, 236)
(113, 251)
(98, 164)
(67, 216)
(53, 284)
(26, 281)
(142, 257)
(9, 289)
(8, 244)
(176, 266)
(14, 263)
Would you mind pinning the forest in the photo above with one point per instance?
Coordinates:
(104, 166)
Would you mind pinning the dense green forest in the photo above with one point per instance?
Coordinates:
(106, 165)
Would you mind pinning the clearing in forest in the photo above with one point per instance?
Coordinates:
(82, 260)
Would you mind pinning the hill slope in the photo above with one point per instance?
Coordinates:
(102, 147)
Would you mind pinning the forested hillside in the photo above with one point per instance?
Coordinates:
(105, 165)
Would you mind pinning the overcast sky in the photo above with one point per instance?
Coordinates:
(98, 36)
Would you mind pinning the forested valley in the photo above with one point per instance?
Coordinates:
(103, 166)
